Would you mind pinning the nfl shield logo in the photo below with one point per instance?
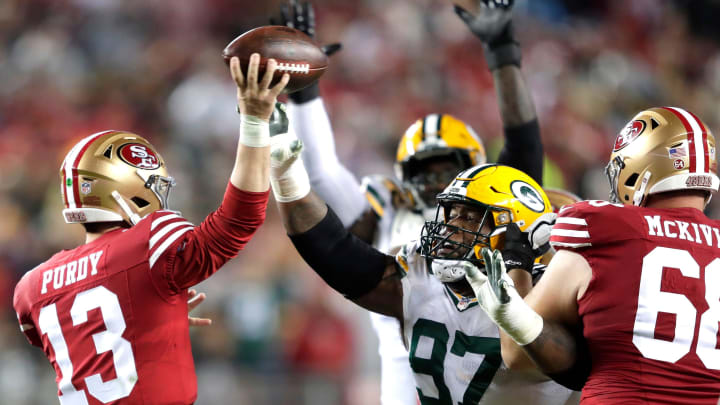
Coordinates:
(85, 187)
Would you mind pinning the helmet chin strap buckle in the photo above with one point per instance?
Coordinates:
(449, 270)
(134, 218)
(640, 193)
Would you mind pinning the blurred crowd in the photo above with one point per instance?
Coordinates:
(69, 68)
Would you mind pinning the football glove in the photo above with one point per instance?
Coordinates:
(493, 25)
(521, 248)
(497, 296)
(288, 177)
(301, 16)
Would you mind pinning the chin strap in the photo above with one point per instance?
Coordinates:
(133, 217)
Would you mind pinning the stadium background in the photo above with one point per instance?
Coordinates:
(69, 68)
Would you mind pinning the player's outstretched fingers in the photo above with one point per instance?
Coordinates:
(236, 73)
(252, 74)
(278, 88)
(269, 73)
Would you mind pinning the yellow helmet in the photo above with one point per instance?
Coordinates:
(662, 149)
(505, 194)
(431, 138)
(559, 197)
(113, 176)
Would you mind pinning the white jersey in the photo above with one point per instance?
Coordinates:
(395, 227)
(455, 347)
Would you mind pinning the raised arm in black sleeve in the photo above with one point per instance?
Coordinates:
(523, 149)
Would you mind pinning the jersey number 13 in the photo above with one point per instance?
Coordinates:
(109, 340)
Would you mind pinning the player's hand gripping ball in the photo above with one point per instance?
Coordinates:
(296, 54)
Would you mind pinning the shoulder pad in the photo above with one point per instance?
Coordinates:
(382, 192)
(591, 223)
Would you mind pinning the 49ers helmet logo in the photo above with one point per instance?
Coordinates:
(628, 134)
(139, 155)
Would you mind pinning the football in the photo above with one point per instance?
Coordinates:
(295, 53)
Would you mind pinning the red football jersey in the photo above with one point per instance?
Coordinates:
(111, 315)
(652, 308)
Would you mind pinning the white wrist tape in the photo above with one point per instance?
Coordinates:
(516, 317)
(288, 177)
(254, 132)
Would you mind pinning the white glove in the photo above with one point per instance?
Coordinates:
(496, 295)
(288, 177)
(539, 232)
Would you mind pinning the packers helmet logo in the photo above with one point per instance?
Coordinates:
(628, 134)
(528, 195)
(139, 155)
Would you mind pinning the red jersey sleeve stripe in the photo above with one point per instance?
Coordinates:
(159, 220)
(571, 221)
(570, 233)
(164, 231)
(169, 241)
(557, 243)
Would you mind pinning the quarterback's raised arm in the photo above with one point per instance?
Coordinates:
(347, 264)
(492, 23)
(256, 100)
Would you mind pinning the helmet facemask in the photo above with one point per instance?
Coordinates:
(612, 172)
(437, 237)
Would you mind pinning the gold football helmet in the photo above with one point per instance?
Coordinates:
(559, 197)
(435, 137)
(113, 176)
(504, 194)
(662, 149)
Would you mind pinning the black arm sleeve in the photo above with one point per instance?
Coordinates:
(523, 150)
(347, 264)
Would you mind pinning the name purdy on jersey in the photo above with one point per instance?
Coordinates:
(71, 272)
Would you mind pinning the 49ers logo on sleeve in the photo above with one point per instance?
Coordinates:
(139, 155)
(628, 134)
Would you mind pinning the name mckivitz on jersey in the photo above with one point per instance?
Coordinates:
(690, 231)
(70, 272)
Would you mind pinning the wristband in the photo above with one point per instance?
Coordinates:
(503, 55)
(254, 132)
(515, 317)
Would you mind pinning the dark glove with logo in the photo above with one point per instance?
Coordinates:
(518, 252)
(301, 16)
(493, 25)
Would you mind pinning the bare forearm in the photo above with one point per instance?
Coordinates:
(301, 215)
(555, 349)
(516, 105)
(252, 169)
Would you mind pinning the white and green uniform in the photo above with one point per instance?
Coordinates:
(454, 348)
(396, 227)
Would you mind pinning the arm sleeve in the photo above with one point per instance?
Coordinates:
(332, 181)
(523, 150)
(198, 252)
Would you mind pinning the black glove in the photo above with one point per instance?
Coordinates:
(301, 16)
(493, 25)
(517, 252)
(279, 122)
